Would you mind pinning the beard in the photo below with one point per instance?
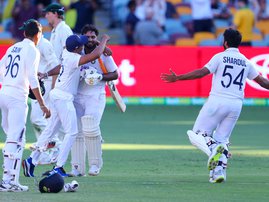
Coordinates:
(89, 47)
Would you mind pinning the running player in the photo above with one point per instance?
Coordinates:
(19, 70)
(48, 61)
(90, 104)
(218, 116)
(61, 97)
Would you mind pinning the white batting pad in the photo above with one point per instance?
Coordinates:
(12, 153)
(78, 154)
(93, 140)
(198, 141)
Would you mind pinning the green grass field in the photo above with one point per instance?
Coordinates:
(148, 158)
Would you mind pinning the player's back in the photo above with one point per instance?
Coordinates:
(68, 78)
(19, 64)
(231, 69)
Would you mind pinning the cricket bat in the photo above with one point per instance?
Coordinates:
(113, 90)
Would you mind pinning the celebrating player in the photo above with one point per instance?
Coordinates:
(61, 97)
(48, 60)
(19, 70)
(218, 116)
(90, 104)
(60, 32)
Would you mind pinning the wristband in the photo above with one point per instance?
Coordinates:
(46, 75)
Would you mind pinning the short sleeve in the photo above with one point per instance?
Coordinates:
(109, 63)
(213, 63)
(253, 73)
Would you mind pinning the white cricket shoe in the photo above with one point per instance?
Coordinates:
(10, 187)
(214, 158)
(94, 170)
(217, 176)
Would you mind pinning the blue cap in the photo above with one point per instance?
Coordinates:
(74, 41)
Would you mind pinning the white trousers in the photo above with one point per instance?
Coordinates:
(14, 115)
(62, 113)
(93, 105)
(218, 117)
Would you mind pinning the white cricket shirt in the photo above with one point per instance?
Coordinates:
(58, 37)
(48, 59)
(86, 89)
(68, 78)
(19, 69)
(230, 70)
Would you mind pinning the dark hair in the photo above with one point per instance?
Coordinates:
(31, 27)
(233, 37)
(131, 4)
(86, 28)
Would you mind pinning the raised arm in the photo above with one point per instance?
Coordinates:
(96, 53)
(196, 74)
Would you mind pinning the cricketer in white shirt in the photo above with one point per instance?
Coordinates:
(18, 68)
(61, 97)
(213, 127)
(90, 102)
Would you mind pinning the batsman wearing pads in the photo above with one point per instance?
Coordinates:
(90, 104)
(18, 68)
(217, 118)
(62, 97)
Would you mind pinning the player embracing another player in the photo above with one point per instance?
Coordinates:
(62, 97)
(90, 104)
(213, 127)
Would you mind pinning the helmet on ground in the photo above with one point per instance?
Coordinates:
(53, 182)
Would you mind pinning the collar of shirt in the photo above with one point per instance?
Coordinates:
(26, 40)
(232, 49)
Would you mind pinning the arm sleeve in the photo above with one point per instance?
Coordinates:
(109, 63)
(213, 63)
(253, 73)
(33, 63)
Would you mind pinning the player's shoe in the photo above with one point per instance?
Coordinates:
(75, 173)
(94, 170)
(61, 171)
(217, 176)
(214, 158)
(10, 187)
(28, 167)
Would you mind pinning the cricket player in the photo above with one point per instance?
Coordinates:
(218, 116)
(90, 104)
(48, 61)
(60, 30)
(54, 14)
(61, 97)
(18, 67)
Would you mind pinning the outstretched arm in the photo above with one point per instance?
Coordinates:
(196, 74)
(263, 82)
